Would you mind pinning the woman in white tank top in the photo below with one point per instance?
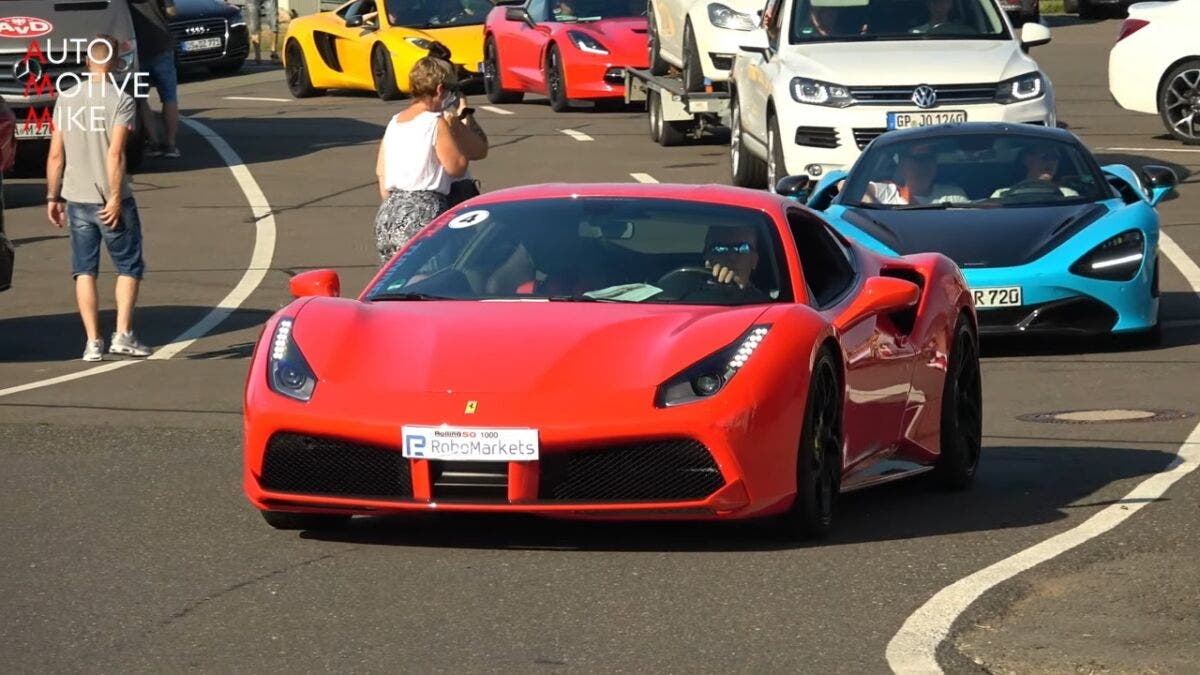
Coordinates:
(424, 150)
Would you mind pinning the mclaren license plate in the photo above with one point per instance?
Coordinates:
(908, 120)
(1008, 296)
(470, 444)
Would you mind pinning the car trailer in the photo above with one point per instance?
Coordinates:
(675, 113)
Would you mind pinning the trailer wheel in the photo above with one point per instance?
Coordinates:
(661, 131)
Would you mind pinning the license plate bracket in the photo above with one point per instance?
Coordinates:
(469, 444)
(909, 120)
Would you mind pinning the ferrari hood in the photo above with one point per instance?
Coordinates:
(894, 62)
(979, 237)
(509, 347)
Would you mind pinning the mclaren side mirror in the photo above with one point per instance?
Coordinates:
(1159, 180)
(354, 21)
(321, 283)
(879, 295)
(795, 187)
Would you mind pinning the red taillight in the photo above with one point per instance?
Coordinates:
(1131, 26)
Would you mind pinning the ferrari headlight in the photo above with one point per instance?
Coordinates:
(586, 43)
(727, 17)
(709, 376)
(815, 92)
(1023, 88)
(288, 373)
(1117, 259)
(419, 42)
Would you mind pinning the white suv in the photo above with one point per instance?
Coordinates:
(825, 77)
(700, 37)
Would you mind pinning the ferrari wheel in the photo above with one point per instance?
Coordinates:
(1180, 102)
(748, 170)
(382, 74)
(693, 72)
(285, 520)
(298, 80)
(491, 76)
(658, 66)
(556, 83)
(962, 413)
(819, 457)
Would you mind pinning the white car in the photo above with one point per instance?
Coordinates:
(825, 77)
(1155, 65)
(700, 37)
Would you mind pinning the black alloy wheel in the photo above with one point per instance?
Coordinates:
(296, 70)
(383, 75)
(491, 76)
(556, 84)
(819, 456)
(962, 412)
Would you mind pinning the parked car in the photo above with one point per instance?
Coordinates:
(8, 155)
(1021, 12)
(1154, 67)
(700, 37)
(1094, 9)
(210, 34)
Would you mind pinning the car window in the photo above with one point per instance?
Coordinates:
(655, 251)
(863, 20)
(773, 19)
(828, 268)
(436, 13)
(594, 10)
(539, 10)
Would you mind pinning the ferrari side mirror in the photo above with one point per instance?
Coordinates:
(322, 283)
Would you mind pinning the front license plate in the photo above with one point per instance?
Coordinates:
(198, 45)
(31, 130)
(908, 120)
(470, 444)
(1009, 296)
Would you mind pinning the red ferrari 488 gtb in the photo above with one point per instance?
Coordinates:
(620, 351)
(565, 49)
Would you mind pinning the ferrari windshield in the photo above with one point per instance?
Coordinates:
(974, 171)
(593, 249)
(859, 20)
(594, 10)
(437, 13)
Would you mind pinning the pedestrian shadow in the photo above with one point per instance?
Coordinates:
(1017, 487)
(60, 337)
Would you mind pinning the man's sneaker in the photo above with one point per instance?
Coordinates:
(94, 350)
(170, 152)
(128, 344)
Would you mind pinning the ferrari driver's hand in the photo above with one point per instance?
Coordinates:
(726, 275)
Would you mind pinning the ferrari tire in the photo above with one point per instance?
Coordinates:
(556, 83)
(663, 132)
(962, 412)
(693, 70)
(491, 76)
(819, 455)
(776, 166)
(748, 171)
(383, 75)
(296, 70)
(658, 65)
(286, 520)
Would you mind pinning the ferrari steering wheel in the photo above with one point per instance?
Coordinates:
(687, 272)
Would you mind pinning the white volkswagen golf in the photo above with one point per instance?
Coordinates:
(823, 78)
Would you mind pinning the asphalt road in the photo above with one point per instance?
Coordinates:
(128, 545)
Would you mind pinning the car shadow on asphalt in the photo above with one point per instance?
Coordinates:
(60, 337)
(1017, 487)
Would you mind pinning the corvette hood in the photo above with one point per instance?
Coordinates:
(895, 62)
(980, 237)
(620, 36)
(509, 347)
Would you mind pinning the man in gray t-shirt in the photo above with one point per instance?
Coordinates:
(89, 189)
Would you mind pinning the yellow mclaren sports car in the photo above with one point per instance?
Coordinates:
(372, 44)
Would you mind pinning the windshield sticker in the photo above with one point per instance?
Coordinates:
(469, 219)
(24, 27)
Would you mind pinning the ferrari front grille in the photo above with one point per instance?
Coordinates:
(315, 465)
(663, 470)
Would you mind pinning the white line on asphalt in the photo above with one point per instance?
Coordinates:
(914, 648)
(257, 98)
(1148, 150)
(643, 178)
(494, 109)
(260, 261)
(577, 135)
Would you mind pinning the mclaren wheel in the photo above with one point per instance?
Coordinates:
(383, 75)
(296, 69)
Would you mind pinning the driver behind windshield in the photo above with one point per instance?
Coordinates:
(1040, 163)
(940, 12)
(916, 170)
(732, 255)
(824, 18)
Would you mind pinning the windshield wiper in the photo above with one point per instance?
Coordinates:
(409, 296)
(582, 298)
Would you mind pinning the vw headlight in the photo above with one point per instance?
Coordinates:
(727, 17)
(419, 42)
(1023, 88)
(709, 376)
(816, 92)
(586, 43)
(288, 373)
(1117, 259)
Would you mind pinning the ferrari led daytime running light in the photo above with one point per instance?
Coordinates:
(280, 343)
(708, 376)
(288, 374)
(747, 348)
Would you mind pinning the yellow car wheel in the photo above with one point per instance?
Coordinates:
(383, 75)
(296, 69)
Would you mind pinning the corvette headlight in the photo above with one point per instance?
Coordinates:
(709, 376)
(288, 373)
(419, 42)
(1117, 259)
(1023, 88)
(586, 43)
(727, 17)
(816, 92)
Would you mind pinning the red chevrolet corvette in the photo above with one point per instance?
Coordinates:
(566, 49)
(621, 351)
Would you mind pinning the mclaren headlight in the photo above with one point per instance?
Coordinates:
(1023, 88)
(708, 377)
(1117, 259)
(586, 43)
(727, 17)
(815, 92)
(421, 43)
(288, 373)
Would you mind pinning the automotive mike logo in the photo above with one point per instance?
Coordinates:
(24, 27)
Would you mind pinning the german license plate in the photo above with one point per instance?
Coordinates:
(470, 444)
(32, 130)
(1009, 296)
(200, 45)
(908, 120)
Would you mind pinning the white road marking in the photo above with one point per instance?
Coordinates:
(260, 261)
(258, 98)
(1148, 150)
(577, 135)
(643, 178)
(494, 109)
(913, 649)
